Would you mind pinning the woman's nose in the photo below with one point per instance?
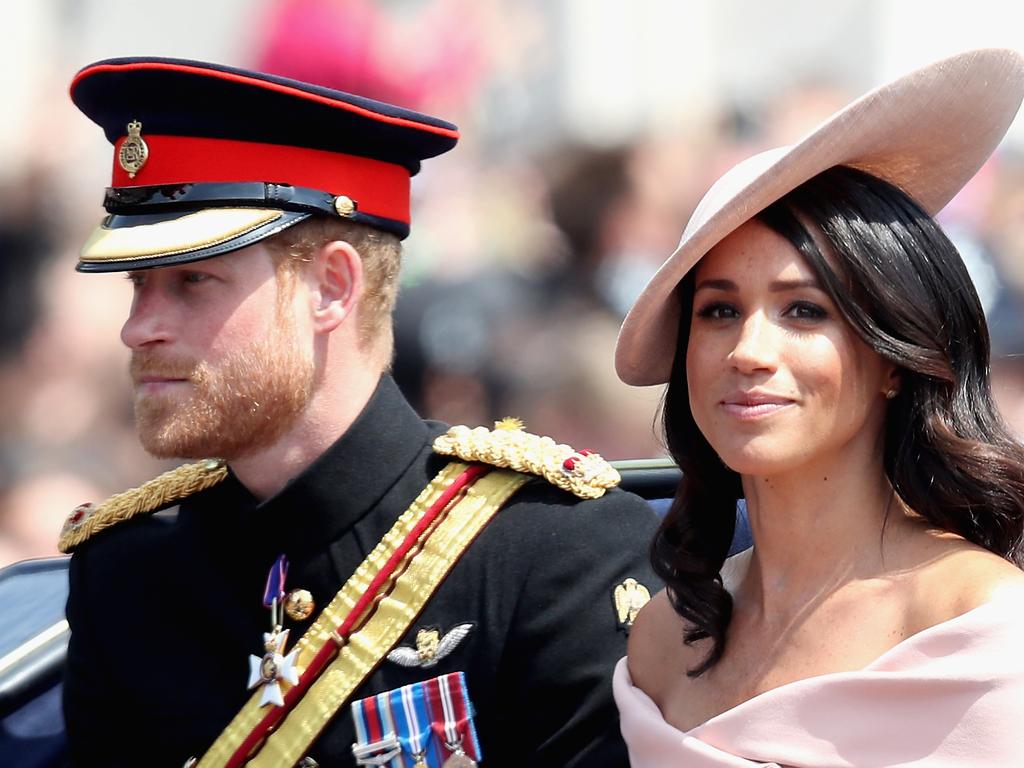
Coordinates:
(756, 346)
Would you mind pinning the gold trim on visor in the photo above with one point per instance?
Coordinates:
(191, 232)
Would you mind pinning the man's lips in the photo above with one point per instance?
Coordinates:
(754, 405)
(150, 383)
(159, 379)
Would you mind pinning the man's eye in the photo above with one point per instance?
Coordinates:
(135, 278)
(194, 277)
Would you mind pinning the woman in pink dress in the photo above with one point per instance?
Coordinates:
(827, 360)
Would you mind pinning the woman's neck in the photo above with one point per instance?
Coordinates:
(817, 529)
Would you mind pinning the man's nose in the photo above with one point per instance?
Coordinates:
(148, 321)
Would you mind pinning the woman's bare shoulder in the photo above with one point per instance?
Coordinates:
(984, 576)
(656, 654)
(960, 576)
(658, 658)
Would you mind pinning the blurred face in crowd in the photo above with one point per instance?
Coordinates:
(777, 377)
(221, 361)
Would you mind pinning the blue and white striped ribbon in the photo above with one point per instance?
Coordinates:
(409, 710)
(399, 717)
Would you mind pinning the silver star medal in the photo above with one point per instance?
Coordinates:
(459, 759)
(273, 667)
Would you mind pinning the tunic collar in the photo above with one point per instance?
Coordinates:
(338, 489)
(350, 477)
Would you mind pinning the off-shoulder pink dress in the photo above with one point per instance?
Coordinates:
(951, 695)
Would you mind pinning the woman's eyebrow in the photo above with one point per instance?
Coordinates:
(718, 284)
(776, 286)
(790, 285)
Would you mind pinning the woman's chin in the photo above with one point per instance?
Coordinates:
(760, 463)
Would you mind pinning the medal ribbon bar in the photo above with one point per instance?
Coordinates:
(451, 718)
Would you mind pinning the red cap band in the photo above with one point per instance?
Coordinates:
(379, 188)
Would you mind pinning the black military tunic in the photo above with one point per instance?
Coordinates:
(166, 610)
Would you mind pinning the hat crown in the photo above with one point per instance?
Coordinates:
(927, 133)
(230, 157)
(727, 186)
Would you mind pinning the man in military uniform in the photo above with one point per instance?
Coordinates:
(344, 583)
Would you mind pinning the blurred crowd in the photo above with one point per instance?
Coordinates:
(529, 246)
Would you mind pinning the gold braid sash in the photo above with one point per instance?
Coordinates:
(439, 548)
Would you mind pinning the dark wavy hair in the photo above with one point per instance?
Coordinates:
(903, 288)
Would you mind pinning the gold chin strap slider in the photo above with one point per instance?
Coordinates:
(345, 206)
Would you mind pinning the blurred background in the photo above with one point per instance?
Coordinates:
(591, 128)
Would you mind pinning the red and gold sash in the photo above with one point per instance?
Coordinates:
(368, 616)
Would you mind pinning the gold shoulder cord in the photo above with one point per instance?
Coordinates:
(583, 473)
(86, 521)
(392, 619)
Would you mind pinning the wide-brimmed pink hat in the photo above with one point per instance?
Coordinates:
(928, 133)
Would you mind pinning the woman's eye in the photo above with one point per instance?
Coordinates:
(718, 311)
(805, 310)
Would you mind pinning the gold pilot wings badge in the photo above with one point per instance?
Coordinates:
(430, 648)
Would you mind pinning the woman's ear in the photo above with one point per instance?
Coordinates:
(893, 383)
(337, 276)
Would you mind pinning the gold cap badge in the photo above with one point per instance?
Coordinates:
(134, 151)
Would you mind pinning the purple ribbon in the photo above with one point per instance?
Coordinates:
(275, 582)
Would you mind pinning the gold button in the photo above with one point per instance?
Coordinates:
(299, 605)
(345, 206)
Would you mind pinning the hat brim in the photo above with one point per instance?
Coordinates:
(927, 133)
(159, 240)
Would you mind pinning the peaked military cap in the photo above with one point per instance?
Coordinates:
(209, 159)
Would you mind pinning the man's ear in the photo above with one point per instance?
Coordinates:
(337, 273)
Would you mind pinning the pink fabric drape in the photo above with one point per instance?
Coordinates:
(951, 695)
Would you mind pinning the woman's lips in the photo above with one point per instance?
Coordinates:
(754, 405)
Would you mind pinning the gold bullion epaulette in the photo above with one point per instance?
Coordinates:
(583, 473)
(89, 519)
